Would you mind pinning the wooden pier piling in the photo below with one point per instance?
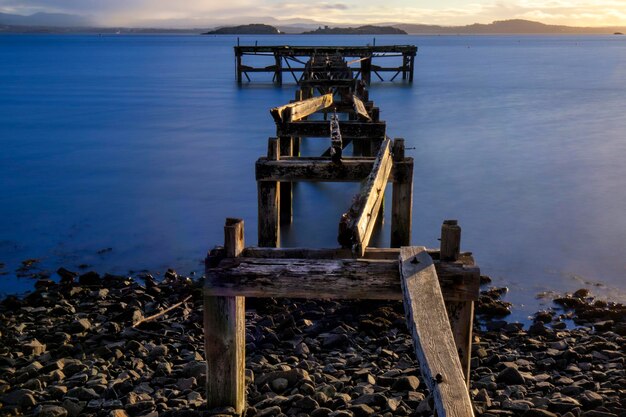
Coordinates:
(225, 335)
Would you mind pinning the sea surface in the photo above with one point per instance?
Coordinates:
(125, 153)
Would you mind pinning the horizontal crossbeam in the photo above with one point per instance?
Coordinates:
(327, 278)
(323, 169)
(321, 129)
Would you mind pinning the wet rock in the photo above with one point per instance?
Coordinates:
(279, 385)
(34, 347)
(79, 326)
(90, 278)
(82, 393)
(511, 376)
(52, 411)
(406, 383)
(361, 410)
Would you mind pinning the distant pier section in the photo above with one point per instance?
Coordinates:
(298, 61)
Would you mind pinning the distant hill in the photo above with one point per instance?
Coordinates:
(361, 30)
(252, 29)
(513, 26)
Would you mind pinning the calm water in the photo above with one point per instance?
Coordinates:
(144, 144)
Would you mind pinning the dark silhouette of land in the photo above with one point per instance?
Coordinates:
(361, 30)
(253, 29)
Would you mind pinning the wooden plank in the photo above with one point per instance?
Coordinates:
(323, 169)
(308, 50)
(341, 253)
(357, 224)
(359, 108)
(401, 203)
(225, 336)
(432, 336)
(327, 278)
(321, 129)
(300, 109)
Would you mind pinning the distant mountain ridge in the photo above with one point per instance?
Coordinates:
(512, 26)
(361, 30)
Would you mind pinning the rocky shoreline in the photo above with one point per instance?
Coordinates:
(82, 347)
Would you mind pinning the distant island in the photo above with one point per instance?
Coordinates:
(361, 30)
(252, 29)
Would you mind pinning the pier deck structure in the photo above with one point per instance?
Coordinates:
(438, 286)
(295, 60)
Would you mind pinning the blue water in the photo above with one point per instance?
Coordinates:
(145, 144)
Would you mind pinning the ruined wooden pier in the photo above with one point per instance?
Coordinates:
(301, 61)
(438, 286)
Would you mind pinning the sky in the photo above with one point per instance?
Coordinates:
(443, 12)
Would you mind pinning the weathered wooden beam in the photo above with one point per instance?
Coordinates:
(319, 128)
(309, 50)
(327, 278)
(300, 109)
(432, 336)
(269, 203)
(225, 335)
(359, 108)
(323, 169)
(465, 258)
(357, 224)
(401, 202)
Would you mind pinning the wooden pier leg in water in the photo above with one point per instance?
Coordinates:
(225, 336)
(461, 314)
(411, 68)
(238, 66)
(286, 188)
(401, 203)
(366, 72)
(269, 204)
(279, 69)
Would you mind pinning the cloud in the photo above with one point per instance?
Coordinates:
(446, 12)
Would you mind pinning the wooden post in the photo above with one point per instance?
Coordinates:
(411, 68)
(269, 204)
(450, 240)
(461, 314)
(279, 68)
(238, 71)
(404, 65)
(401, 202)
(366, 72)
(286, 188)
(225, 336)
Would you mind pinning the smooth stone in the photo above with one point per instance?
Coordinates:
(52, 411)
